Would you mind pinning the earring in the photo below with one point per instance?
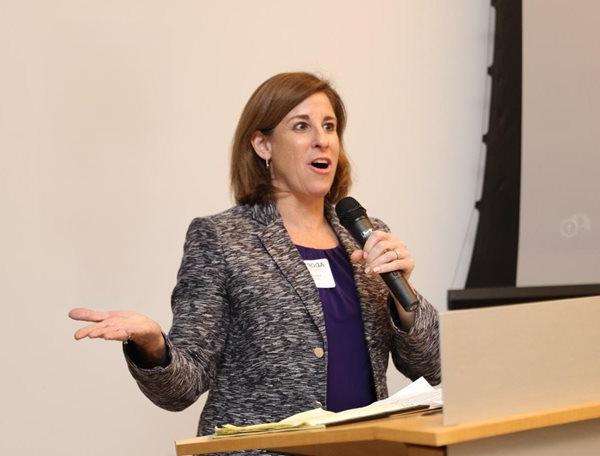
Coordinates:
(268, 163)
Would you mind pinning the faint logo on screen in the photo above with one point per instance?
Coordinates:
(574, 225)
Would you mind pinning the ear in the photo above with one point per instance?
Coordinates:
(261, 144)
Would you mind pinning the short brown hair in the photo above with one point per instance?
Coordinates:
(268, 105)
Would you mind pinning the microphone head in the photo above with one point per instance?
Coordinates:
(348, 210)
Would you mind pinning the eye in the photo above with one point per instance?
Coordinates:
(301, 126)
(330, 126)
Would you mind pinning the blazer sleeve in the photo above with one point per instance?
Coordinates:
(416, 352)
(200, 324)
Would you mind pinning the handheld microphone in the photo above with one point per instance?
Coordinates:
(354, 218)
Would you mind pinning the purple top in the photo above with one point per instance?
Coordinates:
(349, 373)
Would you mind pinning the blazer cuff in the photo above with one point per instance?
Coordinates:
(395, 318)
(136, 361)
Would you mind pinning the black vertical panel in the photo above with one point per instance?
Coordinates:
(494, 259)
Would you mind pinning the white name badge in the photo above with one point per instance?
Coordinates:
(320, 272)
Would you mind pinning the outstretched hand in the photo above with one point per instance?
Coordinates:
(121, 326)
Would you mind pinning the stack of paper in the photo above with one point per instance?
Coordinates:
(418, 392)
(418, 395)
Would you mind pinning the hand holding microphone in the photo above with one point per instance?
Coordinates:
(382, 252)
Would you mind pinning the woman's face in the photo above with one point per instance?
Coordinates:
(303, 149)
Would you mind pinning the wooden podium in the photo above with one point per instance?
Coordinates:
(418, 434)
(518, 380)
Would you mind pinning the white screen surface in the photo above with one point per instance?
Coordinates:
(559, 241)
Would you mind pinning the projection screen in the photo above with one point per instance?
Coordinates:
(559, 239)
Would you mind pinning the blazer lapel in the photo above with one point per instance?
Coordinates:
(279, 246)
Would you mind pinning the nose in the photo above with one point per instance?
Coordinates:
(321, 139)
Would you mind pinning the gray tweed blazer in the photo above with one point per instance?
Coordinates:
(247, 319)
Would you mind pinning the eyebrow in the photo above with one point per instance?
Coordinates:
(307, 117)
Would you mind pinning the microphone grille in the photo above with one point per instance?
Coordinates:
(348, 210)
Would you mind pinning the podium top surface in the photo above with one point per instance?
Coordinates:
(420, 428)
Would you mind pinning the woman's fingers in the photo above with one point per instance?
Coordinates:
(104, 331)
(388, 255)
(405, 265)
(85, 331)
(83, 314)
(380, 242)
(109, 334)
(384, 253)
(99, 331)
(118, 325)
(120, 334)
(102, 328)
(381, 249)
(375, 238)
(356, 256)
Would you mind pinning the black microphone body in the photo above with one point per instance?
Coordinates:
(354, 218)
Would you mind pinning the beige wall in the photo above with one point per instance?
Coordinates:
(115, 123)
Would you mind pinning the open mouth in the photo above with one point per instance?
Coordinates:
(320, 164)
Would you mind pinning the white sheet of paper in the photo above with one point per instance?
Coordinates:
(418, 392)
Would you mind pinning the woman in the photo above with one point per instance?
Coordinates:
(250, 322)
